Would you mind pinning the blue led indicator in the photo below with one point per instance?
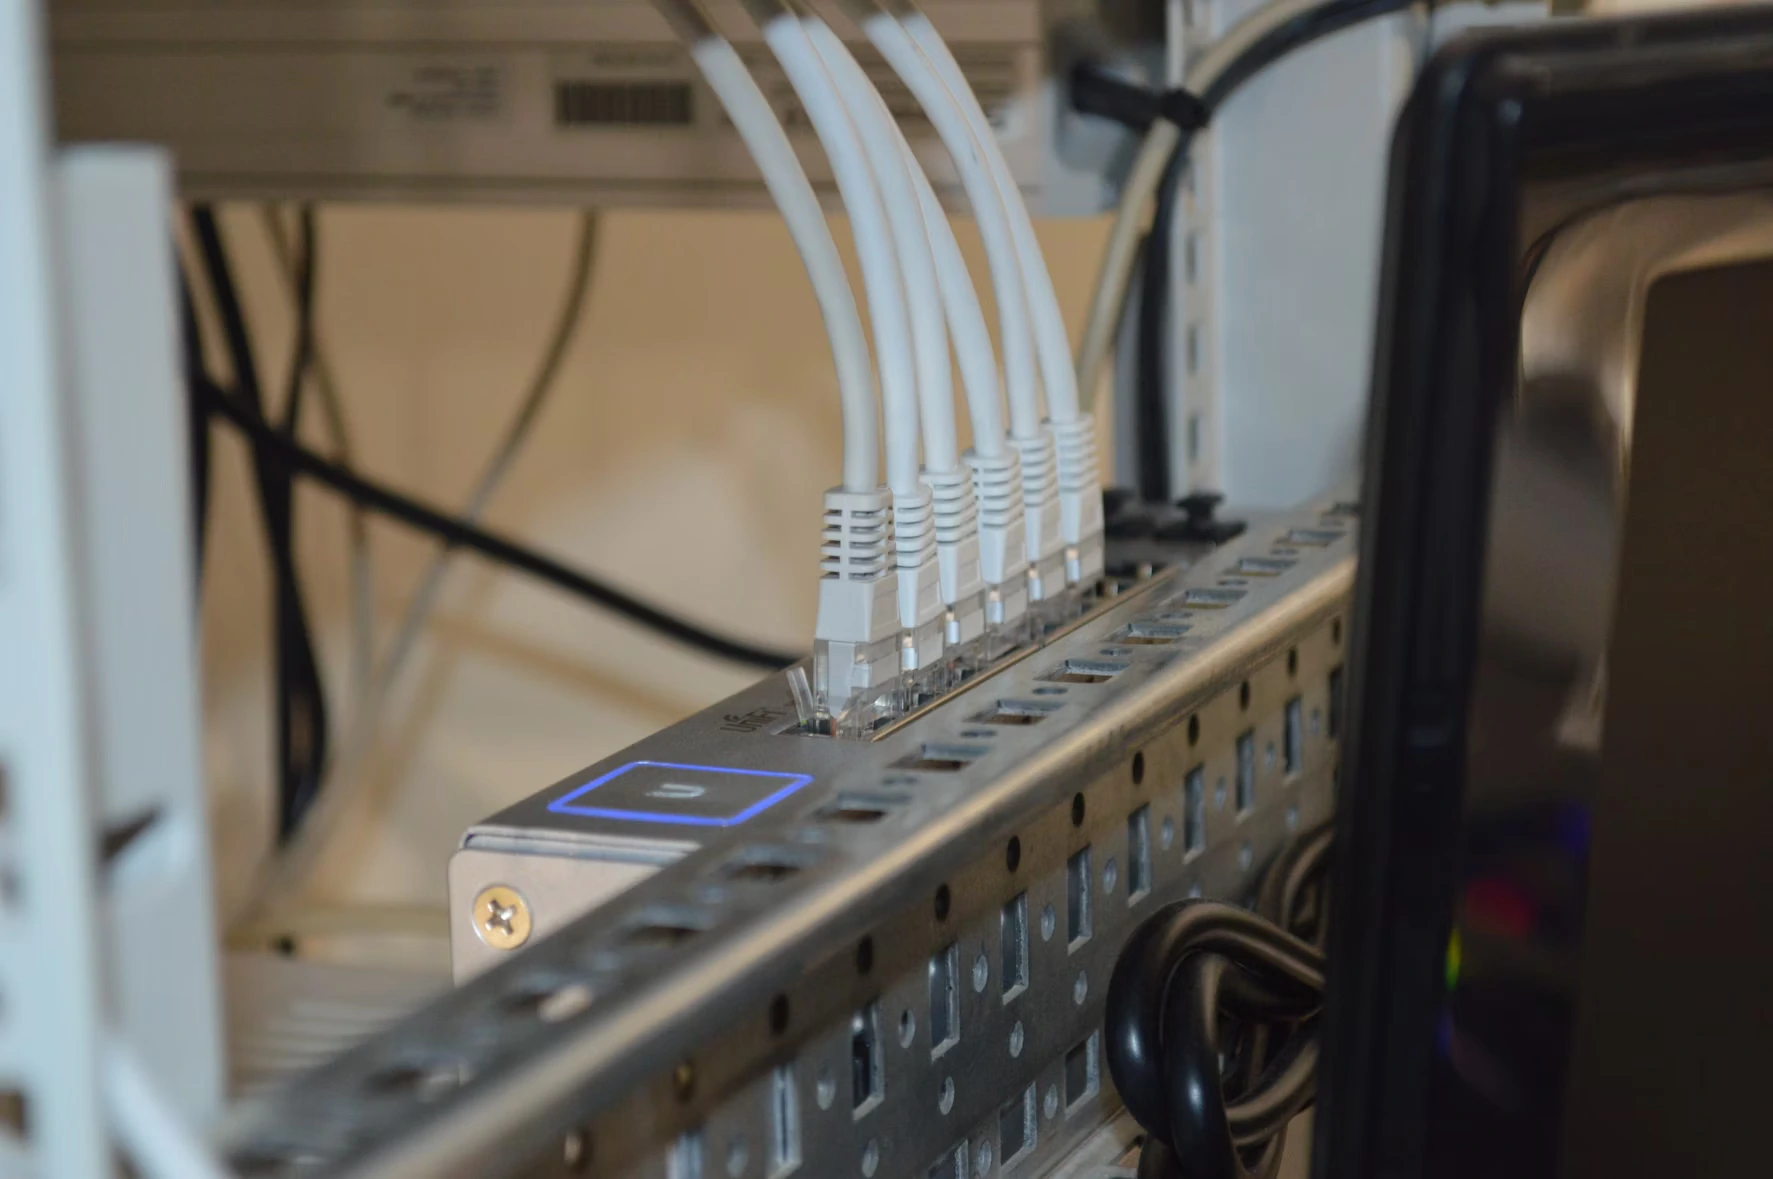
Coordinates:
(679, 794)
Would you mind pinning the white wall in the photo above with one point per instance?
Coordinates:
(683, 455)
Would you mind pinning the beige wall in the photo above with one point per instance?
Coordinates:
(683, 455)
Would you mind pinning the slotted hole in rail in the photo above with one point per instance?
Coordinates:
(1085, 671)
(550, 999)
(1152, 633)
(859, 808)
(662, 928)
(764, 865)
(941, 759)
(1016, 712)
(426, 1080)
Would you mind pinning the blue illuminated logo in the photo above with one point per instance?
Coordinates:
(679, 794)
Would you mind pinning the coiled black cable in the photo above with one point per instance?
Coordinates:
(1211, 1029)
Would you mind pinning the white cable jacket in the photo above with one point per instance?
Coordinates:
(874, 243)
(154, 1135)
(1052, 345)
(762, 133)
(882, 142)
(1115, 273)
(966, 323)
(976, 178)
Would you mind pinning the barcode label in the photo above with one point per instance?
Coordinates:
(579, 103)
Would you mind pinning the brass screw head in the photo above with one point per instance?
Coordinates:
(501, 917)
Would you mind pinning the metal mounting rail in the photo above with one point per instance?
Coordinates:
(899, 970)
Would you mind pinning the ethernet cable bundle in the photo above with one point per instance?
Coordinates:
(954, 558)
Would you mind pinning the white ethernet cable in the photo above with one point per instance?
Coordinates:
(907, 61)
(971, 609)
(1040, 506)
(919, 525)
(1000, 548)
(1074, 432)
(858, 603)
(873, 682)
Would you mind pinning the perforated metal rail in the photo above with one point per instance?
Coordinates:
(900, 970)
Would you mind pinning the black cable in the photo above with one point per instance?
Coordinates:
(1211, 1025)
(301, 720)
(302, 351)
(1154, 286)
(452, 530)
(191, 341)
(1150, 397)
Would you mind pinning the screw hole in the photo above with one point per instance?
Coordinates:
(1077, 810)
(943, 900)
(1193, 731)
(1012, 853)
(865, 955)
(778, 1015)
(1336, 631)
(1293, 661)
(1139, 768)
(1243, 696)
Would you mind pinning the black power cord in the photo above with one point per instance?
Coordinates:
(301, 718)
(1211, 1023)
(453, 530)
(1095, 92)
